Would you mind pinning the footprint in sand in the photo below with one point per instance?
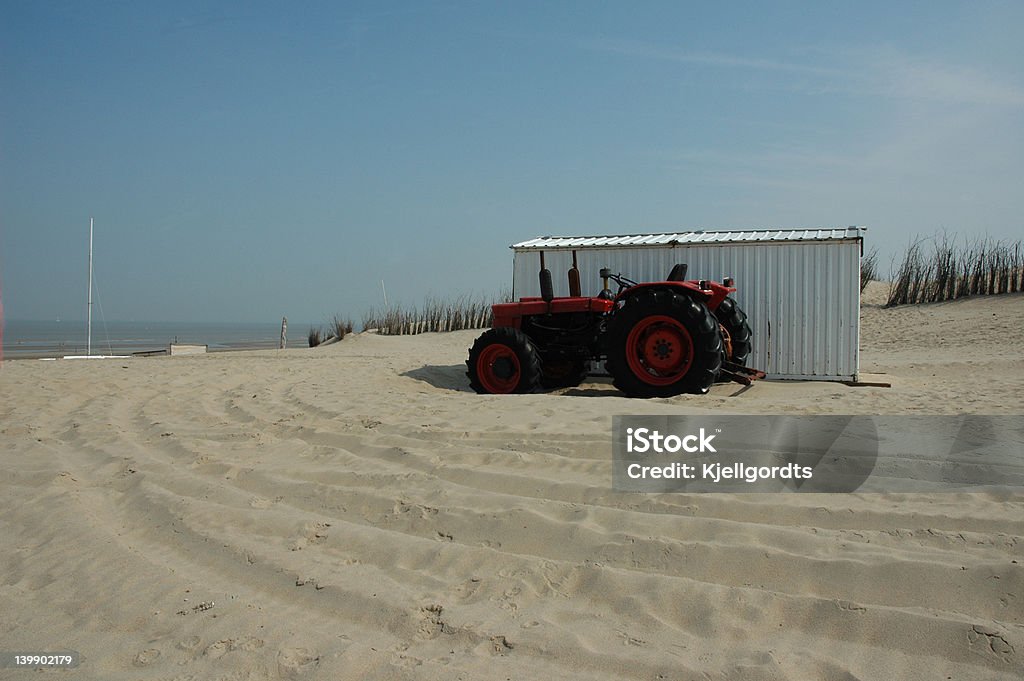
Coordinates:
(190, 644)
(312, 534)
(225, 646)
(500, 645)
(218, 649)
(983, 637)
(146, 657)
(468, 589)
(248, 644)
(293, 663)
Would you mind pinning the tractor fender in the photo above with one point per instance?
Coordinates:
(712, 296)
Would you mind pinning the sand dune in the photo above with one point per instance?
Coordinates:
(354, 512)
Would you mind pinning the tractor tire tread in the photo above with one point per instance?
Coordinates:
(735, 322)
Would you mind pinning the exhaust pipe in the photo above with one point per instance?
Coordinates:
(547, 290)
(574, 279)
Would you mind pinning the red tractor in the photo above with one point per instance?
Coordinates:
(657, 339)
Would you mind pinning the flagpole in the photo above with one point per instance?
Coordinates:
(88, 342)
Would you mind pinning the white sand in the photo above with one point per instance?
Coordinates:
(353, 512)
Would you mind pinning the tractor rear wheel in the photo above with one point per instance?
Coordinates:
(737, 331)
(503, 360)
(663, 343)
(564, 373)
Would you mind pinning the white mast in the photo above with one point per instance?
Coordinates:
(88, 342)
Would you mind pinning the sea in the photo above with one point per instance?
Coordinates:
(33, 339)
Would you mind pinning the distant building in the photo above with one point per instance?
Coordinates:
(799, 288)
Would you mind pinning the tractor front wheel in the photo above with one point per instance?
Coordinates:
(503, 360)
(663, 343)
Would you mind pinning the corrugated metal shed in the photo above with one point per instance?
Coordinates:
(799, 288)
(694, 237)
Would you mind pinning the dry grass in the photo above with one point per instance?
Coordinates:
(950, 269)
(868, 269)
(339, 326)
(433, 316)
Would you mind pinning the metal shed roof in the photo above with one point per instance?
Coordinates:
(693, 237)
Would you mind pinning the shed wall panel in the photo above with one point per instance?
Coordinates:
(802, 298)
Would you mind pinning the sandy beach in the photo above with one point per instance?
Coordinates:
(354, 511)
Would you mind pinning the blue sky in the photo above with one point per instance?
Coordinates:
(250, 160)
